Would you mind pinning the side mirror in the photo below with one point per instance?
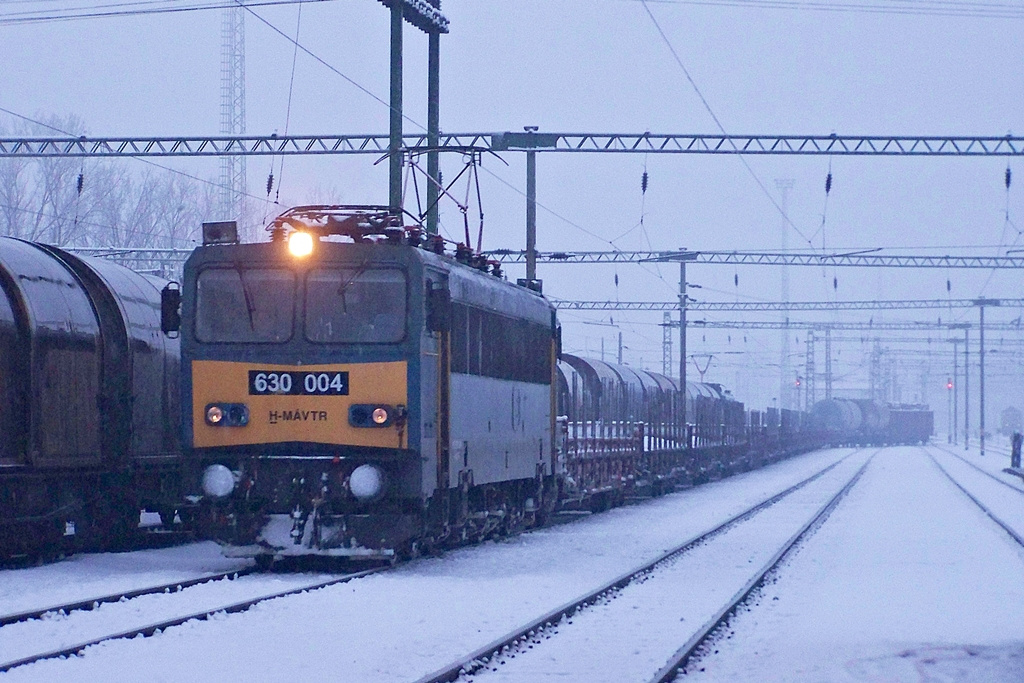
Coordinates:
(439, 310)
(170, 308)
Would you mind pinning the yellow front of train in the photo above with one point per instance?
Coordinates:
(298, 356)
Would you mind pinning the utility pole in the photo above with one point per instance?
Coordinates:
(810, 370)
(828, 364)
(666, 344)
(682, 343)
(785, 370)
(683, 258)
(956, 388)
(982, 303)
(395, 129)
(531, 210)
(967, 387)
(433, 123)
(232, 110)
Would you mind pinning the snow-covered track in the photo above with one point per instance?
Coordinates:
(155, 628)
(984, 508)
(983, 471)
(93, 603)
(677, 663)
(480, 658)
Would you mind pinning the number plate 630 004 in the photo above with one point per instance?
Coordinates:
(266, 382)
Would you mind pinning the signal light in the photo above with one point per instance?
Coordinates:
(949, 383)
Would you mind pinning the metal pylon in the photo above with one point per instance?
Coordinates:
(666, 344)
(232, 110)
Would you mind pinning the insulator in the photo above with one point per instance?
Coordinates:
(81, 182)
(828, 183)
(704, 337)
(616, 279)
(270, 183)
(643, 183)
(736, 279)
(1009, 177)
(729, 337)
(835, 282)
(949, 285)
(439, 181)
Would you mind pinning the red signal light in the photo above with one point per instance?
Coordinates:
(949, 383)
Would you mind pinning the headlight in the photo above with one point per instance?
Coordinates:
(300, 244)
(218, 481)
(366, 482)
(380, 415)
(214, 414)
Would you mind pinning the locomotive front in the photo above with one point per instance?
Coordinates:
(300, 385)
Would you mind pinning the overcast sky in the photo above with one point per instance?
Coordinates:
(602, 66)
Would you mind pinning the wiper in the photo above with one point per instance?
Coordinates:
(249, 306)
(360, 269)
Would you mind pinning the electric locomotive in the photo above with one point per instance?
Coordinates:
(349, 389)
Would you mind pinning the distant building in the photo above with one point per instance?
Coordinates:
(1010, 421)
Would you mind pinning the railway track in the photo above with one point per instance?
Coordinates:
(678, 662)
(983, 471)
(526, 636)
(93, 603)
(151, 629)
(984, 508)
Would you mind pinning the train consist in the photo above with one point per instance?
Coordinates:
(349, 388)
(88, 401)
(862, 421)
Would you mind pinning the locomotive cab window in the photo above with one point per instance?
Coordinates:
(245, 305)
(355, 305)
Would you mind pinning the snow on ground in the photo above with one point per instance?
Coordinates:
(632, 636)
(81, 577)
(907, 581)
(58, 631)
(996, 458)
(403, 624)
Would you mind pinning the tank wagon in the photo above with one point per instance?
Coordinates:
(863, 421)
(350, 388)
(88, 399)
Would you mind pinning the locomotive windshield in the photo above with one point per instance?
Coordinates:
(245, 305)
(355, 305)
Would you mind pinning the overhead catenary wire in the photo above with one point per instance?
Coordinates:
(129, 9)
(718, 122)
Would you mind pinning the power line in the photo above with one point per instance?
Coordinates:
(128, 9)
(984, 10)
